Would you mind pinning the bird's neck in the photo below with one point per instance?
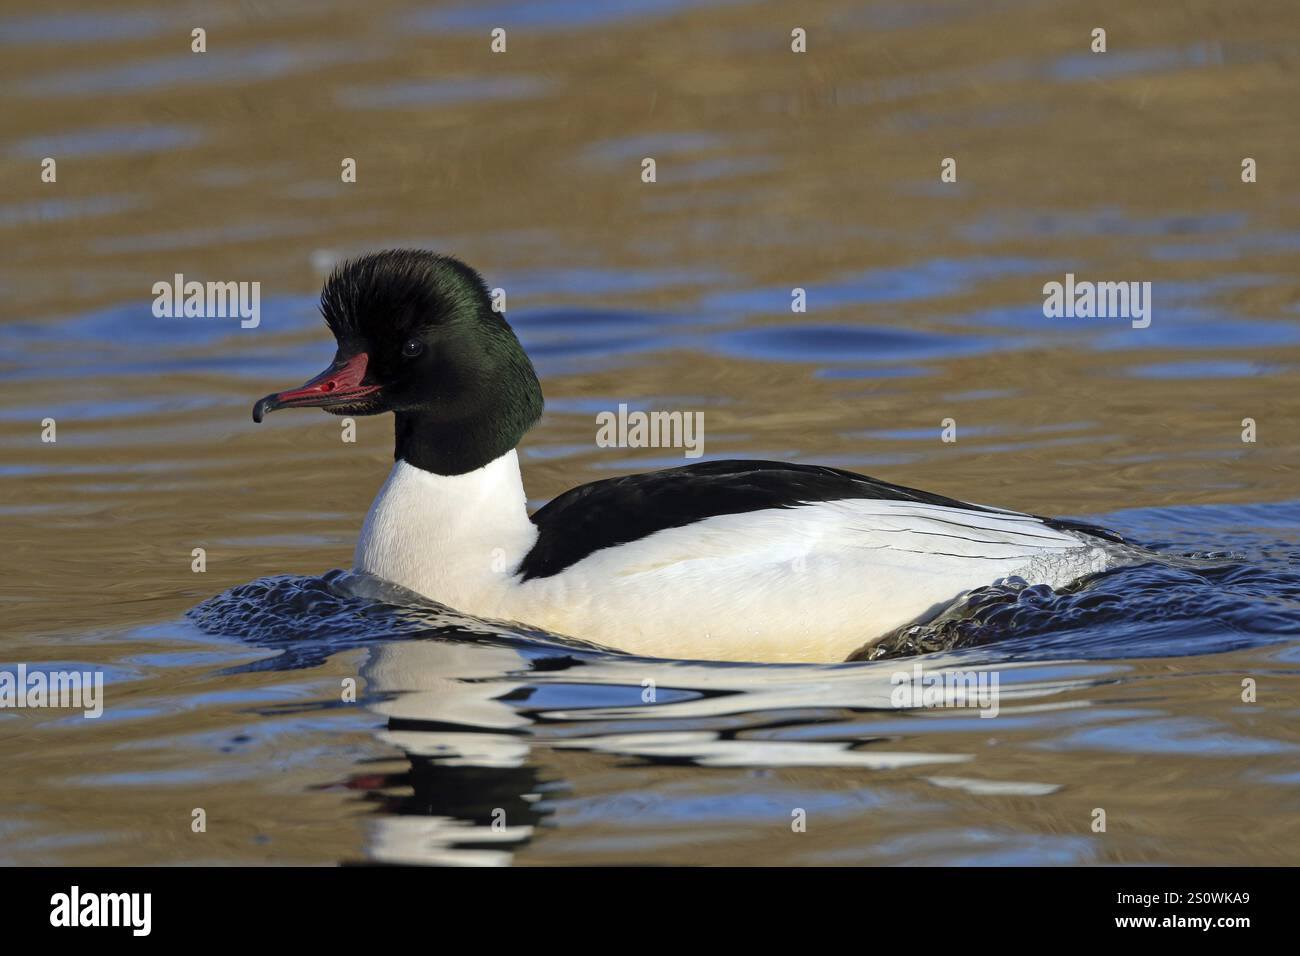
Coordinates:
(451, 447)
(453, 538)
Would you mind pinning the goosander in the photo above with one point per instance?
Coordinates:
(721, 560)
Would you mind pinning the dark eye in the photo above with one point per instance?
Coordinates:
(412, 348)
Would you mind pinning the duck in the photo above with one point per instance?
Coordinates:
(726, 560)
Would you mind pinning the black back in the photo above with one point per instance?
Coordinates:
(614, 511)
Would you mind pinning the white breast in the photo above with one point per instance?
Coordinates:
(455, 539)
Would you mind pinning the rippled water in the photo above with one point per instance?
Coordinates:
(1165, 694)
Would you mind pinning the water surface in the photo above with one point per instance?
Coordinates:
(473, 742)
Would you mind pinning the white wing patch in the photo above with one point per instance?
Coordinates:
(934, 529)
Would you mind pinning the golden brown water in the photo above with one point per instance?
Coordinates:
(775, 170)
